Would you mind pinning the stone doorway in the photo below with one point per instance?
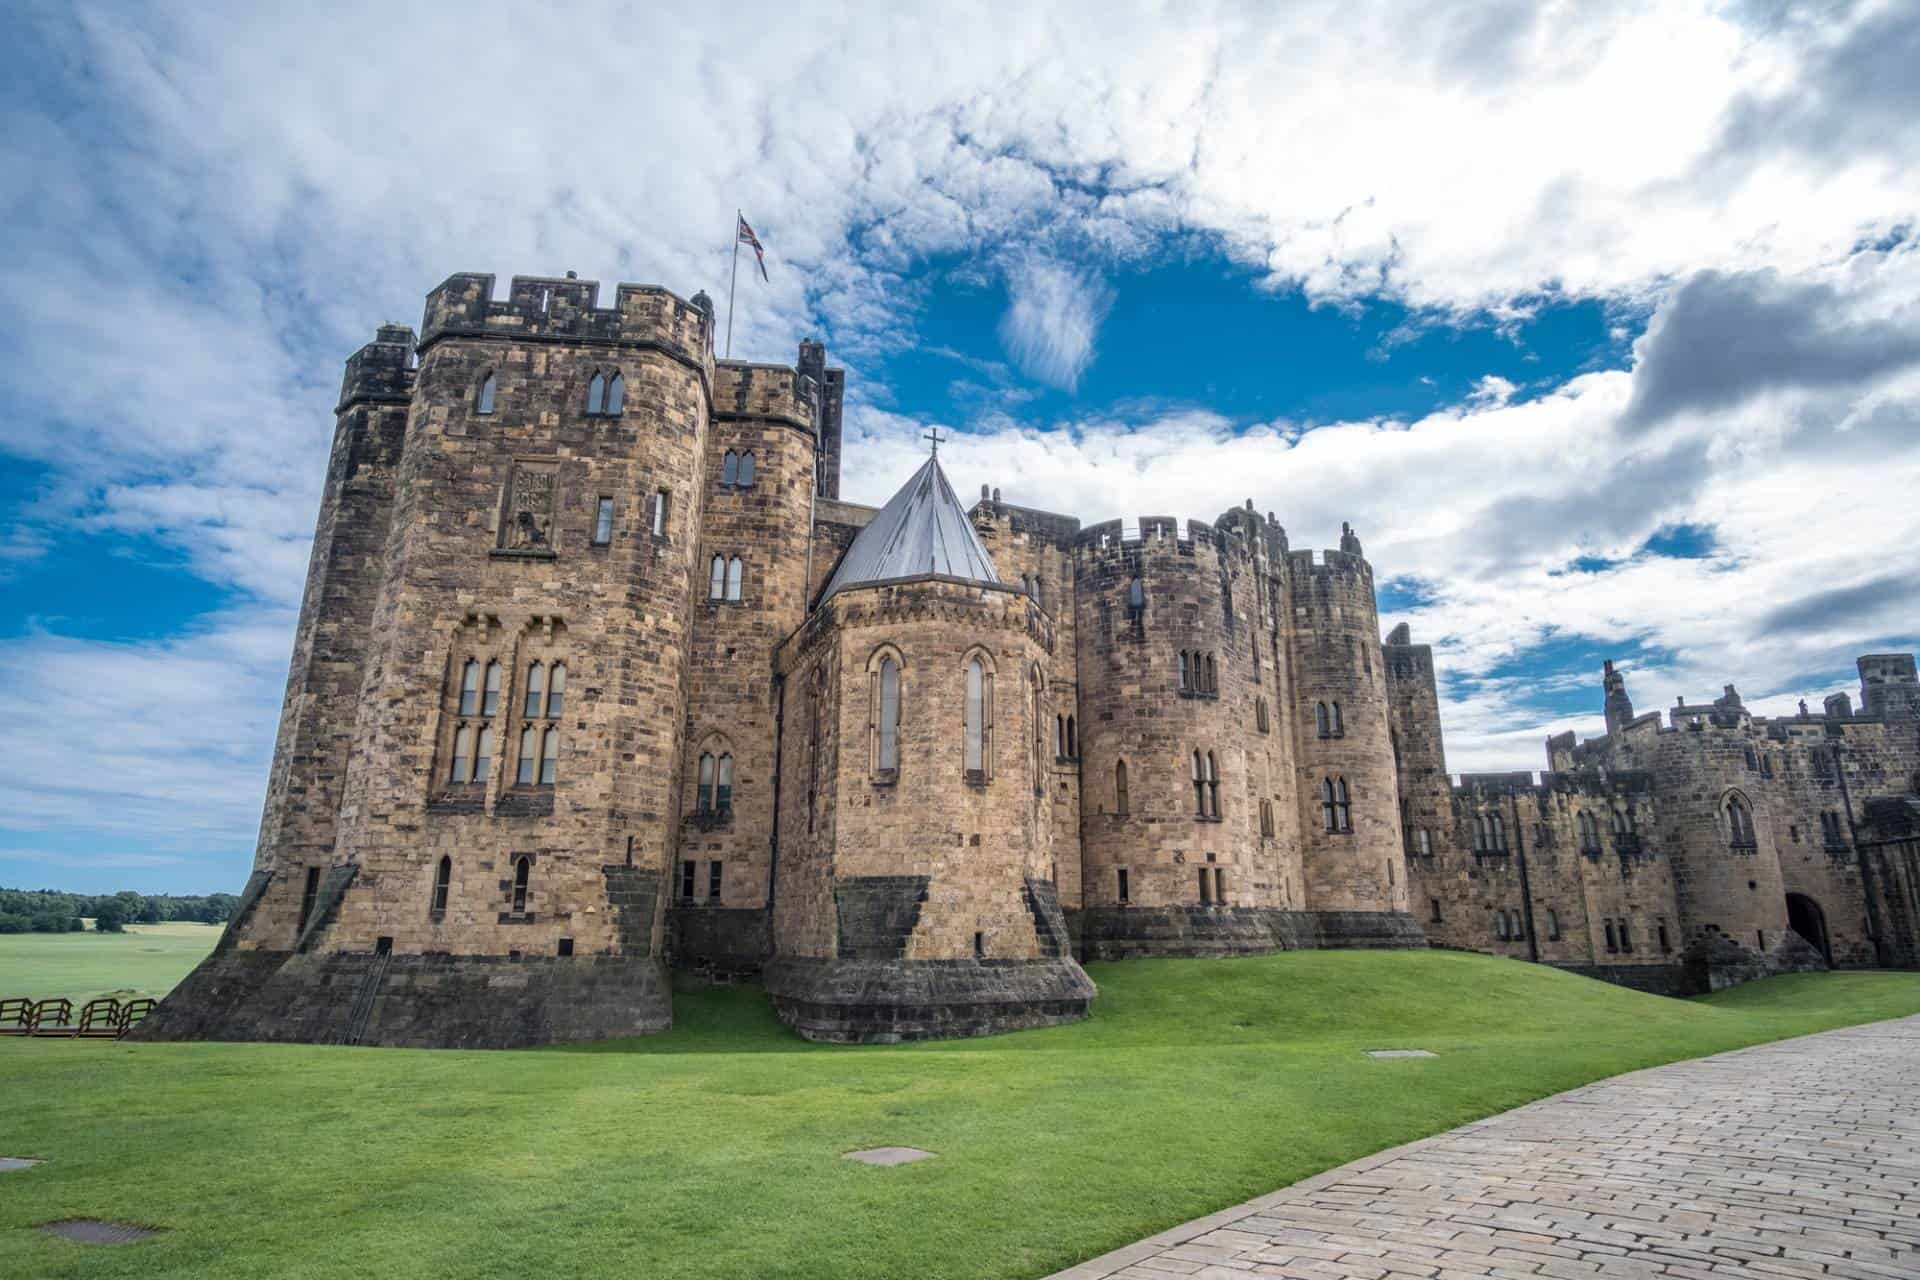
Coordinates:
(1806, 918)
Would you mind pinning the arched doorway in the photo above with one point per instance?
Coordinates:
(1806, 918)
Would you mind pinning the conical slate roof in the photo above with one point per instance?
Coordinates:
(922, 530)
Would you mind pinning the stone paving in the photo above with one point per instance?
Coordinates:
(1788, 1160)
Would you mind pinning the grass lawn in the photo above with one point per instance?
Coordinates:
(146, 960)
(714, 1150)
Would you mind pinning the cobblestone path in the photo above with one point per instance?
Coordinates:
(1795, 1159)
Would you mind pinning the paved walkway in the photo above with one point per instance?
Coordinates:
(1795, 1159)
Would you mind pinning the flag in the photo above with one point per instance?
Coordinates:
(745, 236)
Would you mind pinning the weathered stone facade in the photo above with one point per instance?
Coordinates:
(1680, 856)
(596, 676)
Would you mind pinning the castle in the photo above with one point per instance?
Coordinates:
(596, 677)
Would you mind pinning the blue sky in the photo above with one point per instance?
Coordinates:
(1601, 323)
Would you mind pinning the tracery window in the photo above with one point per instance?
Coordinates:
(714, 784)
(1739, 823)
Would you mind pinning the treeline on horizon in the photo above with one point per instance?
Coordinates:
(50, 911)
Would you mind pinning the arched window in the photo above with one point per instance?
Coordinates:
(1498, 825)
(1321, 720)
(717, 579)
(1213, 676)
(703, 785)
(616, 394)
(536, 689)
(522, 872)
(723, 787)
(887, 717)
(1336, 727)
(483, 401)
(529, 771)
(490, 699)
(1621, 825)
(1073, 743)
(735, 569)
(1120, 799)
(1037, 695)
(1186, 671)
(1739, 823)
(442, 882)
(483, 754)
(597, 393)
(1334, 792)
(462, 754)
(730, 469)
(470, 688)
(1589, 833)
(746, 471)
(1213, 786)
(557, 689)
(1260, 714)
(1060, 735)
(550, 757)
(978, 753)
(1199, 785)
(1136, 601)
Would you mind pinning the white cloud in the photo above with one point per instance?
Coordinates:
(1053, 316)
(226, 198)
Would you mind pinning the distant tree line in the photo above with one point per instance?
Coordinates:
(49, 911)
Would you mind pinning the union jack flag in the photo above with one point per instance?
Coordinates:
(745, 236)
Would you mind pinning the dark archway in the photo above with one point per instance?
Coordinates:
(1806, 918)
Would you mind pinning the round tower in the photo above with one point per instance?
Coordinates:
(1349, 805)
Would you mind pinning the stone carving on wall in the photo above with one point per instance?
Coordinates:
(527, 522)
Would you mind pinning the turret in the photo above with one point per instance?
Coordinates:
(1619, 707)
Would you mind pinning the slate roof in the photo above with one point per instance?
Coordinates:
(921, 531)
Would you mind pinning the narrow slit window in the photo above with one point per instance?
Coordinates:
(723, 787)
(550, 758)
(888, 752)
(442, 882)
(713, 880)
(717, 578)
(976, 735)
(1120, 797)
(1206, 888)
(735, 570)
(730, 469)
(660, 501)
(483, 755)
(483, 402)
(1122, 874)
(462, 754)
(616, 394)
(557, 689)
(522, 873)
(603, 523)
(746, 471)
(703, 793)
(597, 393)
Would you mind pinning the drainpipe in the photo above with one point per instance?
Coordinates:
(1866, 864)
(1526, 886)
(773, 839)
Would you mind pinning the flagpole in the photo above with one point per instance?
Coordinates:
(732, 280)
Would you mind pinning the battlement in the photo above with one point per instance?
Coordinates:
(380, 372)
(1046, 526)
(776, 391)
(546, 309)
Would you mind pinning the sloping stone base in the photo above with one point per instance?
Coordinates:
(1118, 933)
(1716, 962)
(887, 1001)
(418, 1001)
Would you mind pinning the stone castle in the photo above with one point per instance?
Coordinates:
(597, 678)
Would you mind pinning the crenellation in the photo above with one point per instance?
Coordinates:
(596, 675)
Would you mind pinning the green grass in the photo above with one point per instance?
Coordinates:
(714, 1150)
(146, 960)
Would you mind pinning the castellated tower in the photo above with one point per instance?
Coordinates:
(512, 596)
(1202, 759)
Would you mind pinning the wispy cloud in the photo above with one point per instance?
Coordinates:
(1052, 320)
